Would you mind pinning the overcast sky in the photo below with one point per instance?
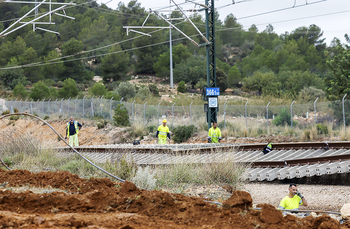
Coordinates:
(332, 16)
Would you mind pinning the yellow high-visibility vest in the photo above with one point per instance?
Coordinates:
(214, 134)
(163, 131)
(76, 128)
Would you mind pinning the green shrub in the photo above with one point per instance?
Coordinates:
(152, 129)
(126, 90)
(121, 116)
(14, 117)
(322, 129)
(154, 89)
(181, 87)
(77, 167)
(102, 124)
(46, 117)
(283, 118)
(183, 133)
(20, 91)
(5, 112)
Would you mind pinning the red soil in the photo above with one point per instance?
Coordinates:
(101, 203)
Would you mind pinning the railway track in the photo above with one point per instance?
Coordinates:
(286, 161)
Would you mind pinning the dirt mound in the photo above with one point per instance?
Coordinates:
(240, 200)
(61, 180)
(101, 204)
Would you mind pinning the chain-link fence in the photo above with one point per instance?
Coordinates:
(248, 120)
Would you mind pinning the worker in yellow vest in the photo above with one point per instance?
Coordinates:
(214, 134)
(163, 133)
(72, 131)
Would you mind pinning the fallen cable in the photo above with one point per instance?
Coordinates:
(75, 151)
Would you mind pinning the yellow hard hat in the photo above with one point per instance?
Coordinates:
(164, 120)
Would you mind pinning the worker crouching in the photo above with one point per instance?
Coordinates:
(214, 134)
(72, 132)
(163, 133)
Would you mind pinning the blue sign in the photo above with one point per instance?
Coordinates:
(212, 91)
(213, 102)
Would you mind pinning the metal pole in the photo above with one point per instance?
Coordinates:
(225, 114)
(61, 111)
(31, 106)
(48, 107)
(92, 106)
(267, 117)
(110, 108)
(83, 106)
(343, 102)
(101, 104)
(25, 104)
(132, 111)
(246, 118)
(191, 113)
(121, 100)
(315, 110)
(19, 105)
(291, 114)
(172, 115)
(144, 114)
(171, 54)
(37, 106)
(55, 106)
(42, 107)
(75, 106)
(158, 112)
(68, 106)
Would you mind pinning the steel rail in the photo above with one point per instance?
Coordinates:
(74, 150)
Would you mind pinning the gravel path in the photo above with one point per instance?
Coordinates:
(319, 197)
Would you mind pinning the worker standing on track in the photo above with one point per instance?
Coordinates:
(293, 199)
(214, 134)
(163, 133)
(72, 131)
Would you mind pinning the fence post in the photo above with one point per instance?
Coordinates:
(25, 104)
(315, 110)
(19, 105)
(191, 113)
(48, 107)
(267, 117)
(158, 112)
(75, 106)
(42, 106)
(68, 107)
(343, 101)
(101, 104)
(225, 114)
(172, 116)
(92, 106)
(144, 114)
(132, 111)
(83, 106)
(110, 109)
(55, 106)
(121, 100)
(31, 106)
(61, 110)
(246, 118)
(291, 114)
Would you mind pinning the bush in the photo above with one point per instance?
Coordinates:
(154, 89)
(181, 87)
(322, 129)
(14, 117)
(40, 91)
(143, 179)
(283, 118)
(20, 91)
(183, 133)
(46, 117)
(126, 90)
(143, 93)
(69, 89)
(102, 124)
(121, 116)
(98, 90)
(5, 112)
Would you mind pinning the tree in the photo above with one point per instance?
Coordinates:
(20, 91)
(191, 70)
(221, 79)
(154, 89)
(263, 82)
(40, 91)
(339, 84)
(53, 71)
(234, 76)
(143, 93)
(121, 116)
(114, 66)
(126, 90)
(9, 76)
(98, 89)
(73, 69)
(181, 87)
(69, 89)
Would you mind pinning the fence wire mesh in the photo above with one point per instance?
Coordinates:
(248, 120)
